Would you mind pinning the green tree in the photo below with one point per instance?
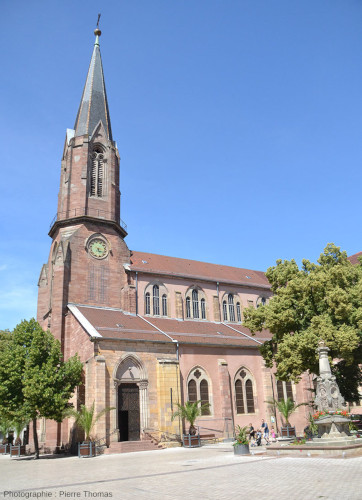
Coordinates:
(190, 411)
(86, 418)
(316, 301)
(35, 381)
(286, 408)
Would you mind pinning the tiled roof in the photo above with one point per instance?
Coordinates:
(174, 266)
(115, 324)
(354, 258)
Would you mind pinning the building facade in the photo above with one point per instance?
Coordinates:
(151, 330)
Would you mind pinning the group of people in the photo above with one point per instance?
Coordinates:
(263, 432)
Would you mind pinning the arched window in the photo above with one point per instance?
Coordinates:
(164, 305)
(244, 392)
(260, 301)
(203, 309)
(192, 391)
(188, 307)
(228, 308)
(198, 388)
(231, 307)
(147, 303)
(156, 300)
(97, 172)
(284, 390)
(195, 303)
(225, 310)
(204, 396)
(238, 312)
(240, 408)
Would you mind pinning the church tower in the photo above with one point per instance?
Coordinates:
(88, 253)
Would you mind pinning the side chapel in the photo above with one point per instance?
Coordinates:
(151, 330)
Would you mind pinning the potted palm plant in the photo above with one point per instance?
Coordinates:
(5, 428)
(286, 407)
(190, 411)
(241, 445)
(86, 418)
(18, 448)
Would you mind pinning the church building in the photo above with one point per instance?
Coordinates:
(151, 330)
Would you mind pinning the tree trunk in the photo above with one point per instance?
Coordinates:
(35, 437)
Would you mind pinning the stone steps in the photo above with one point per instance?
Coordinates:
(132, 446)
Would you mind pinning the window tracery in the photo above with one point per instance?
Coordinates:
(198, 388)
(244, 392)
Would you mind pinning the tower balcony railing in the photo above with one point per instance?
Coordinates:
(89, 212)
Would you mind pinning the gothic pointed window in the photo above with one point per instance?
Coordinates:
(231, 307)
(188, 307)
(239, 397)
(244, 392)
(238, 312)
(284, 390)
(97, 173)
(164, 305)
(203, 309)
(192, 391)
(147, 303)
(195, 304)
(156, 300)
(225, 310)
(204, 396)
(198, 388)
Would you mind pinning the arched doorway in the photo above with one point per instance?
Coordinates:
(131, 398)
(129, 412)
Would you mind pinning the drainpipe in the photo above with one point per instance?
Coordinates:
(136, 292)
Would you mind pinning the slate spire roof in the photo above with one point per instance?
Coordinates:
(94, 105)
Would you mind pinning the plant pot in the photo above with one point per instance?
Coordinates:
(86, 450)
(190, 441)
(241, 449)
(17, 450)
(287, 432)
(4, 449)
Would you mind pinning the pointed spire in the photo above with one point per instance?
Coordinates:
(94, 105)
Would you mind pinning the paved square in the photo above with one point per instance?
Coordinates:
(210, 472)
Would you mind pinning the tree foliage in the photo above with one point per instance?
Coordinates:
(316, 301)
(35, 381)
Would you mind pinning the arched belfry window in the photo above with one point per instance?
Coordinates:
(97, 172)
(155, 299)
(198, 388)
(244, 392)
(195, 304)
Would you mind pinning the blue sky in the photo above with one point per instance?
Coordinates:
(238, 123)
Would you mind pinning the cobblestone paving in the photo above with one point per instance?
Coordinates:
(210, 472)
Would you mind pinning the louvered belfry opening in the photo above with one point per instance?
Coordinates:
(97, 172)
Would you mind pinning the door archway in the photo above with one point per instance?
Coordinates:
(131, 398)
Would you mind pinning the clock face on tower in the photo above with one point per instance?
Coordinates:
(98, 248)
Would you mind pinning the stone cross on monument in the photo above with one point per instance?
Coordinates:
(328, 396)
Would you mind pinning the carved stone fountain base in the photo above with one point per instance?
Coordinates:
(334, 441)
